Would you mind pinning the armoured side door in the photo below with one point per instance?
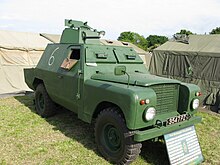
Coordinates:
(69, 74)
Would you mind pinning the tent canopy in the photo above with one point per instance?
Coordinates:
(54, 38)
(18, 50)
(197, 62)
(22, 41)
(203, 45)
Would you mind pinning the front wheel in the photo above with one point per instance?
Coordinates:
(110, 135)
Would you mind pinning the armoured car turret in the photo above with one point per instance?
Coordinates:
(110, 85)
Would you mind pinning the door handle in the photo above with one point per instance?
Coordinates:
(60, 76)
(80, 72)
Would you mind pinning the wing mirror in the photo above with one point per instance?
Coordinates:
(120, 70)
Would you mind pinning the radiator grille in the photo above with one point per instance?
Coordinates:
(167, 97)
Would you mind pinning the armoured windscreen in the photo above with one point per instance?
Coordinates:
(104, 54)
(100, 54)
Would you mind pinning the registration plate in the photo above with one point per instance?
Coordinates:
(177, 119)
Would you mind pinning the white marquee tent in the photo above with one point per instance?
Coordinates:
(18, 50)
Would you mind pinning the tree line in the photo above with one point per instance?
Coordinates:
(153, 41)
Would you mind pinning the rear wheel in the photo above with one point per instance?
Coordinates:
(45, 107)
(112, 138)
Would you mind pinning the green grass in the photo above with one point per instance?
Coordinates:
(26, 138)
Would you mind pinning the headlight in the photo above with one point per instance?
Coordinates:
(195, 103)
(150, 113)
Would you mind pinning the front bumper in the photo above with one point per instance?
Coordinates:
(140, 136)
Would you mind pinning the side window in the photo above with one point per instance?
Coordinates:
(75, 54)
(71, 60)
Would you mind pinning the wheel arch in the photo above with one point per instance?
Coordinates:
(105, 104)
(36, 82)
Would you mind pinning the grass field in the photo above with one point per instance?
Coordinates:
(26, 138)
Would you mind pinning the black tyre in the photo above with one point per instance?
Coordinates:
(112, 140)
(45, 107)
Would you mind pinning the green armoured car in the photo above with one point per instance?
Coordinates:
(110, 85)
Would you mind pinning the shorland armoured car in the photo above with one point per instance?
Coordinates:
(110, 85)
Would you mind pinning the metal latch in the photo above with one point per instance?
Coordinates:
(80, 72)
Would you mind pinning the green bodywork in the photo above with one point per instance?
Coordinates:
(91, 84)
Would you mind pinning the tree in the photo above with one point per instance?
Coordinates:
(184, 31)
(134, 38)
(215, 31)
(154, 41)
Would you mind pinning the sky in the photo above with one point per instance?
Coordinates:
(146, 17)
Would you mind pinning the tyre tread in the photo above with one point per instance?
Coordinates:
(132, 148)
(50, 106)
